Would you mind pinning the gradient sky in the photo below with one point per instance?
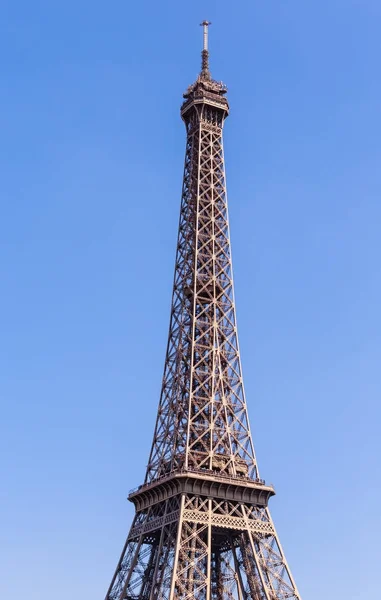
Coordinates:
(91, 159)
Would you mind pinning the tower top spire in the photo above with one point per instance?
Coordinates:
(205, 89)
(205, 73)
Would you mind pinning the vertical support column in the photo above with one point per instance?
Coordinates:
(118, 587)
(162, 534)
(209, 555)
(292, 581)
(131, 569)
(256, 558)
(148, 579)
(240, 583)
(177, 549)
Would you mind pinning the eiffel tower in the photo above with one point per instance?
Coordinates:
(202, 528)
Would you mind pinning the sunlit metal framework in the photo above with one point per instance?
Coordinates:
(202, 529)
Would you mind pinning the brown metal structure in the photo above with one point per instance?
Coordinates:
(202, 529)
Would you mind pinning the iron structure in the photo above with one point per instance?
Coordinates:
(202, 528)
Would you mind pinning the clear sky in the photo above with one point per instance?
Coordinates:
(91, 159)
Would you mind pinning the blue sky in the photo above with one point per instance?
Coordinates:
(91, 157)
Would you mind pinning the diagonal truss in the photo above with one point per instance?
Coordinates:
(202, 529)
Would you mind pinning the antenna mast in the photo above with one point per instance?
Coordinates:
(205, 73)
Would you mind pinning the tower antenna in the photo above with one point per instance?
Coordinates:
(205, 73)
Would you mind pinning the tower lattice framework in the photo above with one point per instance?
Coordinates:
(202, 529)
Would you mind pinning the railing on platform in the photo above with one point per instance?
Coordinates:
(208, 472)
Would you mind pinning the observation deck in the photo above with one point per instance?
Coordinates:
(202, 482)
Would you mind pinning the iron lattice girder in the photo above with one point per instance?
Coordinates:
(181, 539)
(202, 419)
(202, 529)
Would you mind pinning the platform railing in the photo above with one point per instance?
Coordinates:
(208, 472)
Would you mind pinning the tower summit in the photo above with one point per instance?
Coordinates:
(202, 528)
